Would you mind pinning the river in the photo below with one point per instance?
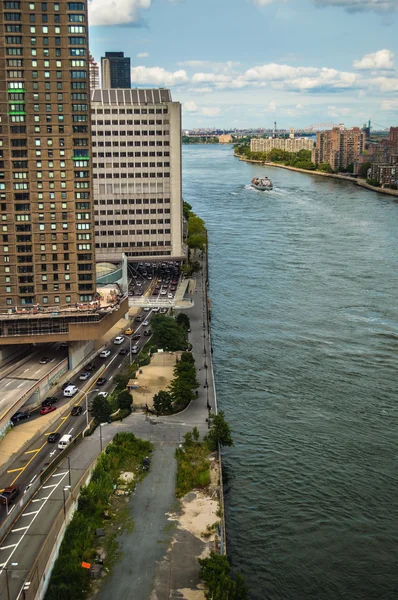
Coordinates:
(304, 287)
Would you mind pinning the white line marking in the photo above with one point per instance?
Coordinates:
(30, 513)
(10, 546)
(7, 384)
(110, 377)
(70, 431)
(19, 529)
(45, 487)
(33, 478)
(40, 499)
(120, 365)
(15, 546)
(26, 370)
(59, 474)
(20, 385)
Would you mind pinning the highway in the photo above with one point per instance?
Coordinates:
(28, 465)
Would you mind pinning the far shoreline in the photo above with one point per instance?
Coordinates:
(360, 182)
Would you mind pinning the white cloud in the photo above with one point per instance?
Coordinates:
(116, 12)
(200, 90)
(190, 106)
(389, 105)
(382, 59)
(271, 107)
(142, 55)
(338, 112)
(206, 111)
(384, 84)
(157, 76)
(360, 5)
(262, 2)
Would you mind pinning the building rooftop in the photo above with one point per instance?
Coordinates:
(131, 96)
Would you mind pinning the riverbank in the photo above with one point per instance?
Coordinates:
(360, 182)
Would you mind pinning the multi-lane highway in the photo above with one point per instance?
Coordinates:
(28, 465)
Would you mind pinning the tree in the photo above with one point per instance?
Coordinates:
(325, 167)
(124, 400)
(220, 432)
(186, 209)
(363, 169)
(101, 409)
(163, 402)
(168, 334)
(215, 571)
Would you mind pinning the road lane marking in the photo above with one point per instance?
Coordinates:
(110, 377)
(20, 385)
(7, 384)
(15, 546)
(59, 474)
(36, 450)
(34, 512)
(5, 547)
(27, 464)
(70, 431)
(19, 529)
(120, 365)
(26, 370)
(15, 470)
(40, 499)
(49, 486)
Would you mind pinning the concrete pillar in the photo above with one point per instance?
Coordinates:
(78, 352)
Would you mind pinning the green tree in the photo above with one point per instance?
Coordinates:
(101, 409)
(186, 209)
(163, 402)
(124, 400)
(220, 432)
(363, 170)
(215, 571)
(167, 334)
(325, 167)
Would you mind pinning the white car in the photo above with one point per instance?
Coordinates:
(105, 354)
(156, 309)
(103, 394)
(135, 349)
(163, 292)
(170, 296)
(147, 309)
(146, 322)
(70, 391)
(118, 340)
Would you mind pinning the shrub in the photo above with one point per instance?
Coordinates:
(215, 571)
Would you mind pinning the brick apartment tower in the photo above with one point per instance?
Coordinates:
(339, 147)
(47, 226)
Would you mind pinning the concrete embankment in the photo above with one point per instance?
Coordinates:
(360, 182)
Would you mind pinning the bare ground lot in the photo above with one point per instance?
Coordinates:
(154, 377)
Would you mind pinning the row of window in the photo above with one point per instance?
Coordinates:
(129, 111)
(129, 165)
(131, 122)
(129, 154)
(42, 5)
(136, 143)
(133, 132)
(130, 175)
(130, 200)
(137, 245)
(136, 232)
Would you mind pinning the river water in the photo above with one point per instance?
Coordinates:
(304, 286)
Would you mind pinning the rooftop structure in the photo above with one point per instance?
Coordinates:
(115, 70)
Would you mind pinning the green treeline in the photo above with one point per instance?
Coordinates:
(186, 139)
(300, 160)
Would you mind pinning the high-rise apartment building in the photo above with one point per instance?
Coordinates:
(137, 174)
(339, 147)
(290, 144)
(115, 70)
(47, 253)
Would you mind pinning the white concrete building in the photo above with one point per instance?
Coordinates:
(290, 144)
(137, 174)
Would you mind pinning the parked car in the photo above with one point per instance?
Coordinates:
(146, 322)
(123, 352)
(103, 394)
(105, 354)
(49, 401)
(44, 360)
(139, 318)
(76, 411)
(136, 337)
(53, 437)
(91, 366)
(118, 340)
(20, 416)
(135, 349)
(47, 409)
(84, 376)
(70, 391)
(9, 494)
(101, 380)
(147, 332)
(129, 331)
(147, 309)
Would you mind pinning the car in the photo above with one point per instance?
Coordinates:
(124, 351)
(139, 318)
(140, 293)
(146, 322)
(9, 494)
(170, 296)
(103, 394)
(53, 437)
(91, 366)
(105, 354)
(20, 416)
(47, 409)
(118, 340)
(174, 282)
(101, 380)
(49, 401)
(147, 309)
(76, 411)
(129, 331)
(163, 292)
(66, 384)
(135, 349)
(136, 336)
(163, 311)
(155, 309)
(147, 332)
(84, 376)
(70, 391)
(44, 360)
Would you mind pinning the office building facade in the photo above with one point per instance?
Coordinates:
(115, 71)
(137, 174)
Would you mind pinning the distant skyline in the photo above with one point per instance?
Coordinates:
(247, 63)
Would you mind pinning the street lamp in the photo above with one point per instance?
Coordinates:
(85, 396)
(70, 483)
(65, 489)
(100, 436)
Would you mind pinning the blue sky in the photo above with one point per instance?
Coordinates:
(247, 63)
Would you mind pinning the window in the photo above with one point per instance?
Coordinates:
(71, 28)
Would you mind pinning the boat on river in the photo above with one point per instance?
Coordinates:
(262, 183)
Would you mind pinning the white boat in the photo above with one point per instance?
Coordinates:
(262, 183)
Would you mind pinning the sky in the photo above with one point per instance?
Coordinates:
(248, 63)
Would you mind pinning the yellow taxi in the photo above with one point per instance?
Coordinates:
(129, 331)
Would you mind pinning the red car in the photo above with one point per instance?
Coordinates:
(47, 409)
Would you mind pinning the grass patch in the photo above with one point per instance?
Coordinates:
(97, 508)
(193, 466)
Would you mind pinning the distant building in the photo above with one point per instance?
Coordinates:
(137, 174)
(393, 138)
(289, 145)
(93, 72)
(115, 70)
(385, 175)
(338, 147)
(225, 139)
